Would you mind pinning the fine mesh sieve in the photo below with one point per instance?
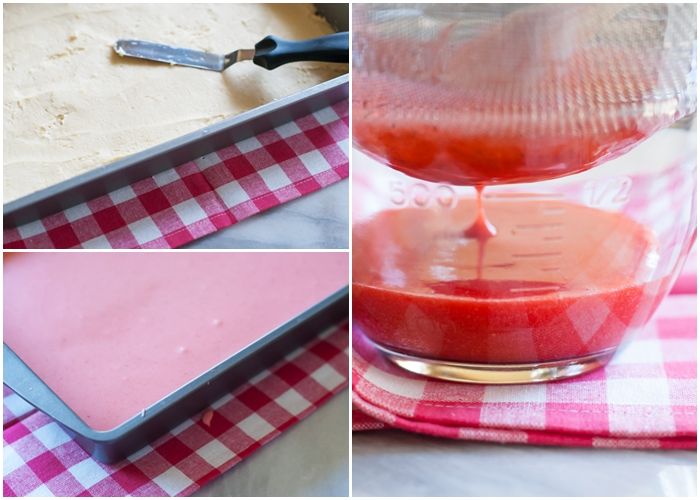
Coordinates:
(479, 94)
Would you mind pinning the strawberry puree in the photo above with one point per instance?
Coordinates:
(112, 334)
(556, 281)
(444, 135)
(486, 110)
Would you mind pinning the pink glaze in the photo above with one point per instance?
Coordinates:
(113, 333)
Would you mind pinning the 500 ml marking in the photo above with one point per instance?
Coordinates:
(607, 193)
(421, 195)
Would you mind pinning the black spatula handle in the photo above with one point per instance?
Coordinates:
(272, 51)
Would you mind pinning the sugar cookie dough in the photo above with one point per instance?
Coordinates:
(71, 104)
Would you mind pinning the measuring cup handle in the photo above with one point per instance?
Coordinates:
(272, 52)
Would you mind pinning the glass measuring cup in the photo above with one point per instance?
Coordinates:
(564, 267)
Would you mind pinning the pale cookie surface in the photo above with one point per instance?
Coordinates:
(71, 104)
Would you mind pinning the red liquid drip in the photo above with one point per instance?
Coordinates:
(481, 229)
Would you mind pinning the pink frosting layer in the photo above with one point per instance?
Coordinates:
(113, 333)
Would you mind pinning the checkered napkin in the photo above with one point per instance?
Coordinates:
(644, 398)
(41, 459)
(215, 191)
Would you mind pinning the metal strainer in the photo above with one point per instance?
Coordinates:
(479, 94)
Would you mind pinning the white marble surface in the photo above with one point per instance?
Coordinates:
(394, 463)
(317, 220)
(310, 459)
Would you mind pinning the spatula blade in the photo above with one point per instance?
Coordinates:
(170, 55)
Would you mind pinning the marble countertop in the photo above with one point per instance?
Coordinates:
(395, 463)
(310, 459)
(317, 220)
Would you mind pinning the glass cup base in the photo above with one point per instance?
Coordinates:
(495, 374)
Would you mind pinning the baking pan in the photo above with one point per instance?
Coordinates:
(193, 397)
(188, 147)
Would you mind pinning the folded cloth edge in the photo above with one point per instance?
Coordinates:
(386, 419)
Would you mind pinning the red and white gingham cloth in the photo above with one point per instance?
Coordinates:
(644, 398)
(687, 282)
(182, 204)
(41, 459)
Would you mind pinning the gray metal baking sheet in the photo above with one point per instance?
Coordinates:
(113, 445)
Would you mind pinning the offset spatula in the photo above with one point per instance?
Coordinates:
(270, 52)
